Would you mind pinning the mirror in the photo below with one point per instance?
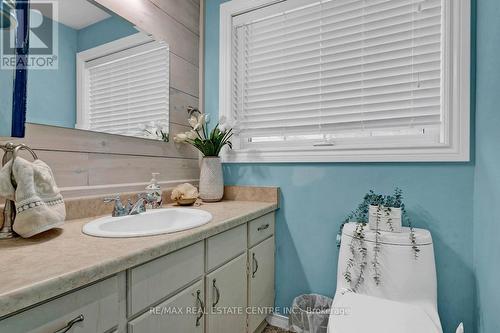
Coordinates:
(97, 72)
(13, 50)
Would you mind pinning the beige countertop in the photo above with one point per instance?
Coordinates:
(37, 269)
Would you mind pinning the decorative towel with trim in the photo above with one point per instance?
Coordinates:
(39, 203)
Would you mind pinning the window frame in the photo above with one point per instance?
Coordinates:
(82, 73)
(455, 95)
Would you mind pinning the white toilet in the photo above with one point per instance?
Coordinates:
(405, 301)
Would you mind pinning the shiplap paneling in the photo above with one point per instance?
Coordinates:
(103, 168)
(52, 138)
(148, 16)
(86, 163)
(179, 102)
(183, 75)
(185, 11)
(70, 169)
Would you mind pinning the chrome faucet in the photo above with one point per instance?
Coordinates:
(139, 206)
(119, 209)
(129, 209)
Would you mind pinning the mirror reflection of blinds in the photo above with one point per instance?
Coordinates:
(333, 71)
(129, 88)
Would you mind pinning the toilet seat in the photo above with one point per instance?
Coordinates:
(356, 313)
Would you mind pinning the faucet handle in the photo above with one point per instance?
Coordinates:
(119, 209)
(116, 198)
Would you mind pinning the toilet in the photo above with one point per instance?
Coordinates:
(405, 301)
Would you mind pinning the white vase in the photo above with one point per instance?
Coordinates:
(211, 181)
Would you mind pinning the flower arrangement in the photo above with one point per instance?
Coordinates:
(155, 130)
(358, 248)
(208, 143)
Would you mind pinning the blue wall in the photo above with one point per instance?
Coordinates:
(6, 86)
(52, 93)
(316, 198)
(487, 181)
(104, 32)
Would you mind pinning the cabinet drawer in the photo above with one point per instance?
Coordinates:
(260, 229)
(157, 279)
(98, 304)
(181, 313)
(225, 246)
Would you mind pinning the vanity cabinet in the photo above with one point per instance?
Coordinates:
(260, 283)
(182, 312)
(93, 309)
(216, 285)
(160, 278)
(226, 290)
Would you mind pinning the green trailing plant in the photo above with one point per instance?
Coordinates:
(358, 248)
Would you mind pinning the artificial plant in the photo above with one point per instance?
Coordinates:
(208, 143)
(358, 247)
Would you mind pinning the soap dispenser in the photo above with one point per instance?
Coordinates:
(153, 191)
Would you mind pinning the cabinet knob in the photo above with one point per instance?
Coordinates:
(263, 227)
(70, 324)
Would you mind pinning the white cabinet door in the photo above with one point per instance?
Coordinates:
(260, 283)
(227, 297)
(182, 312)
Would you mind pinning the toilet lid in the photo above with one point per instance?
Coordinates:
(355, 313)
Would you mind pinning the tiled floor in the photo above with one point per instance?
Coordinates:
(272, 329)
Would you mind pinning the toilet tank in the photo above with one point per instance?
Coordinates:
(403, 277)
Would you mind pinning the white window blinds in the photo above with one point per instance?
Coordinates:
(321, 73)
(127, 89)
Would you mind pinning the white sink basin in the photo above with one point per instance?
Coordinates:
(152, 222)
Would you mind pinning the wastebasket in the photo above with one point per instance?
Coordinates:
(310, 313)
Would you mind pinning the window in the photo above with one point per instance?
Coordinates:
(346, 80)
(123, 86)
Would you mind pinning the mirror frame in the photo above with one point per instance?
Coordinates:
(21, 72)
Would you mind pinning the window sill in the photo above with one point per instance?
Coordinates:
(428, 154)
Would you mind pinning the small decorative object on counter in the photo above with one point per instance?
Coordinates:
(153, 191)
(210, 145)
(185, 194)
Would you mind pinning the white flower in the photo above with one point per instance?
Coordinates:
(181, 137)
(191, 135)
(223, 127)
(207, 118)
(193, 122)
(201, 120)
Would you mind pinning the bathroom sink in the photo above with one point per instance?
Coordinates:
(152, 222)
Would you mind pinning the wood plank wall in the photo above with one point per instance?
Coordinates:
(88, 163)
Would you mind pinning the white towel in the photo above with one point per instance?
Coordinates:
(39, 203)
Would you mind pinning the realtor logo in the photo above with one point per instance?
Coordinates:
(43, 35)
